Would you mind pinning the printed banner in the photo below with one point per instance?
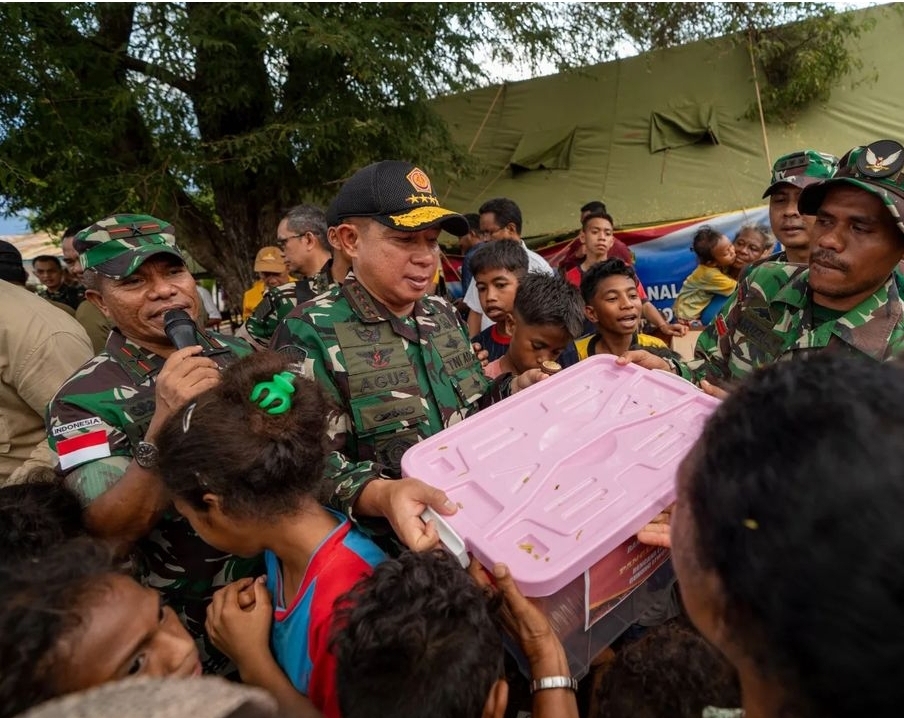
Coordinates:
(611, 580)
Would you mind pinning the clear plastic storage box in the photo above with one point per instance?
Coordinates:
(557, 480)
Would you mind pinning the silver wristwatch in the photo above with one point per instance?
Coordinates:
(146, 455)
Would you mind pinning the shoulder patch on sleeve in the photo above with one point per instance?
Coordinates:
(294, 352)
(75, 426)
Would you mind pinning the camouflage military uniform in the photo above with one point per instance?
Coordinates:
(114, 391)
(771, 319)
(66, 294)
(279, 301)
(396, 379)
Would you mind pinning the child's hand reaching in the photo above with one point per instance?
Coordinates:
(659, 531)
(239, 619)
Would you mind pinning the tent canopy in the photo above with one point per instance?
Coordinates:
(658, 137)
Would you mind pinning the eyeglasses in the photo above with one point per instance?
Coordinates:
(281, 241)
(487, 233)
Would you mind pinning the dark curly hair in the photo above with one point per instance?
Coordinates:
(416, 639)
(705, 240)
(34, 517)
(671, 671)
(806, 537)
(603, 270)
(38, 609)
(259, 464)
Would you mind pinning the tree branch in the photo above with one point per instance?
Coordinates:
(158, 73)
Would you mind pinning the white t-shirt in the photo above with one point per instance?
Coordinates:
(535, 263)
(209, 305)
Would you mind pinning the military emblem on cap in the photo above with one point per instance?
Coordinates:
(419, 180)
(117, 245)
(875, 168)
(881, 159)
(383, 192)
(801, 169)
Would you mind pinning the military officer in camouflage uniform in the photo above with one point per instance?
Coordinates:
(103, 420)
(397, 361)
(848, 298)
(302, 237)
(790, 174)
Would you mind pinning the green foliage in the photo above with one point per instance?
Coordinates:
(218, 116)
(803, 61)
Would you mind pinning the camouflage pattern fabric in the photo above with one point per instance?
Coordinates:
(117, 245)
(279, 301)
(770, 318)
(114, 391)
(396, 379)
(66, 294)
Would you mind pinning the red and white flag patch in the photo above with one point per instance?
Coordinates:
(82, 448)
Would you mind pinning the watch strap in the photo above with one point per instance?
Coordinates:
(542, 684)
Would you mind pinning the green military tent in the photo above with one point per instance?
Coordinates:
(661, 136)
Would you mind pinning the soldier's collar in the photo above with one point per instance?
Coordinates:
(871, 335)
(371, 311)
(796, 291)
(140, 362)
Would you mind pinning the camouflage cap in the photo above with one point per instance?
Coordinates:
(118, 245)
(395, 194)
(801, 169)
(877, 168)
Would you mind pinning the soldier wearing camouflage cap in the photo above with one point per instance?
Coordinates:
(103, 420)
(849, 296)
(790, 174)
(397, 361)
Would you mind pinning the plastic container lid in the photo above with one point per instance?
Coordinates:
(554, 478)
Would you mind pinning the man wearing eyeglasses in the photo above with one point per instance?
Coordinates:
(500, 219)
(302, 237)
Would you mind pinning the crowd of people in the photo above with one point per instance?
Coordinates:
(235, 505)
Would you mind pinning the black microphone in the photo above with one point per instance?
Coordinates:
(180, 329)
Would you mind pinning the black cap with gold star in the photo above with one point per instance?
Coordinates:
(397, 195)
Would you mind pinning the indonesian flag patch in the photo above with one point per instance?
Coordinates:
(82, 448)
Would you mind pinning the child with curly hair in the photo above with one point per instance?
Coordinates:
(244, 464)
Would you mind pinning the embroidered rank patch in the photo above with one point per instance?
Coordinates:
(721, 326)
(295, 353)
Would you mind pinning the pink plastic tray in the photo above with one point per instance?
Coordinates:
(556, 477)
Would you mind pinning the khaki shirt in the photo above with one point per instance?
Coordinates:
(95, 323)
(40, 347)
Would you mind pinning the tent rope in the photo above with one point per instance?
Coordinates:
(486, 117)
(477, 134)
(759, 100)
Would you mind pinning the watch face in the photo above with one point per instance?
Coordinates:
(146, 455)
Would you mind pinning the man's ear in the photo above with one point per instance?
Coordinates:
(590, 313)
(497, 700)
(348, 236)
(93, 296)
(510, 324)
